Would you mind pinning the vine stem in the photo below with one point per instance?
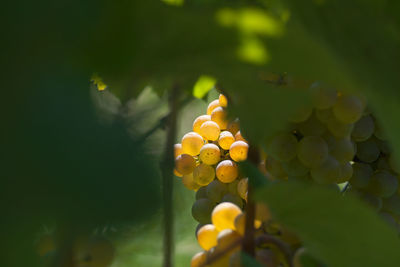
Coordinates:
(167, 167)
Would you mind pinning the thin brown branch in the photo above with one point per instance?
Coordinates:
(167, 167)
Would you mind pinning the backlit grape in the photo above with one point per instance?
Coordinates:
(219, 115)
(192, 143)
(199, 121)
(210, 130)
(207, 236)
(227, 171)
(210, 154)
(203, 174)
(238, 151)
(185, 164)
(226, 139)
(224, 214)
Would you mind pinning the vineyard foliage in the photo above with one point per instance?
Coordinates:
(61, 163)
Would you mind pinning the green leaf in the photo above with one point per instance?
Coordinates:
(203, 85)
(340, 231)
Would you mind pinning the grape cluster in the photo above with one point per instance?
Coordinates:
(206, 160)
(375, 171)
(317, 146)
(334, 141)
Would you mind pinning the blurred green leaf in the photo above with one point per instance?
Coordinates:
(203, 85)
(340, 231)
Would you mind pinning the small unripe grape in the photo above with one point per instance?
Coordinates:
(282, 147)
(274, 167)
(210, 130)
(219, 115)
(201, 210)
(199, 259)
(239, 137)
(192, 143)
(203, 174)
(368, 151)
(362, 174)
(294, 168)
(346, 172)
(348, 109)
(238, 151)
(224, 214)
(223, 101)
(363, 129)
(226, 139)
(234, 126)
(339, 129)
(312, 126)
(178, 150)
(201, 193)
(189, 182)
(312, 151)
(207, 236)
(227, 171)
(210, 154)
(235, 199)
(213, 104)
(341, 149)
(324, 115)
(185, 164)
(199, 121)
(301, 114)
(327, 172)
(383, 184)
(322, 97)
(216, 190)
(242, 187)
(232, 187)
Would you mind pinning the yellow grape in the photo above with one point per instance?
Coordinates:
(214, 104)
(210, 130)
(223, 101)
(262, 212)
(203, 174)
(192, 143)
(210, 154)
(225, 239)
(219, 115)
(238, 151)
(224, 214)
(234, 126)
(199, 259)
(199, 121)
(189, 182)
(185, 164)
(227, 171)
(348, 109)
(45, 244)
(176, 173)
(93, 252)
(226, 139)
(207, 236)
(242, 187)
(239, 137)
(240, 223)
(177, 149)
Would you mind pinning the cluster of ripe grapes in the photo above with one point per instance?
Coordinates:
(206, 160)
(335, 140)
